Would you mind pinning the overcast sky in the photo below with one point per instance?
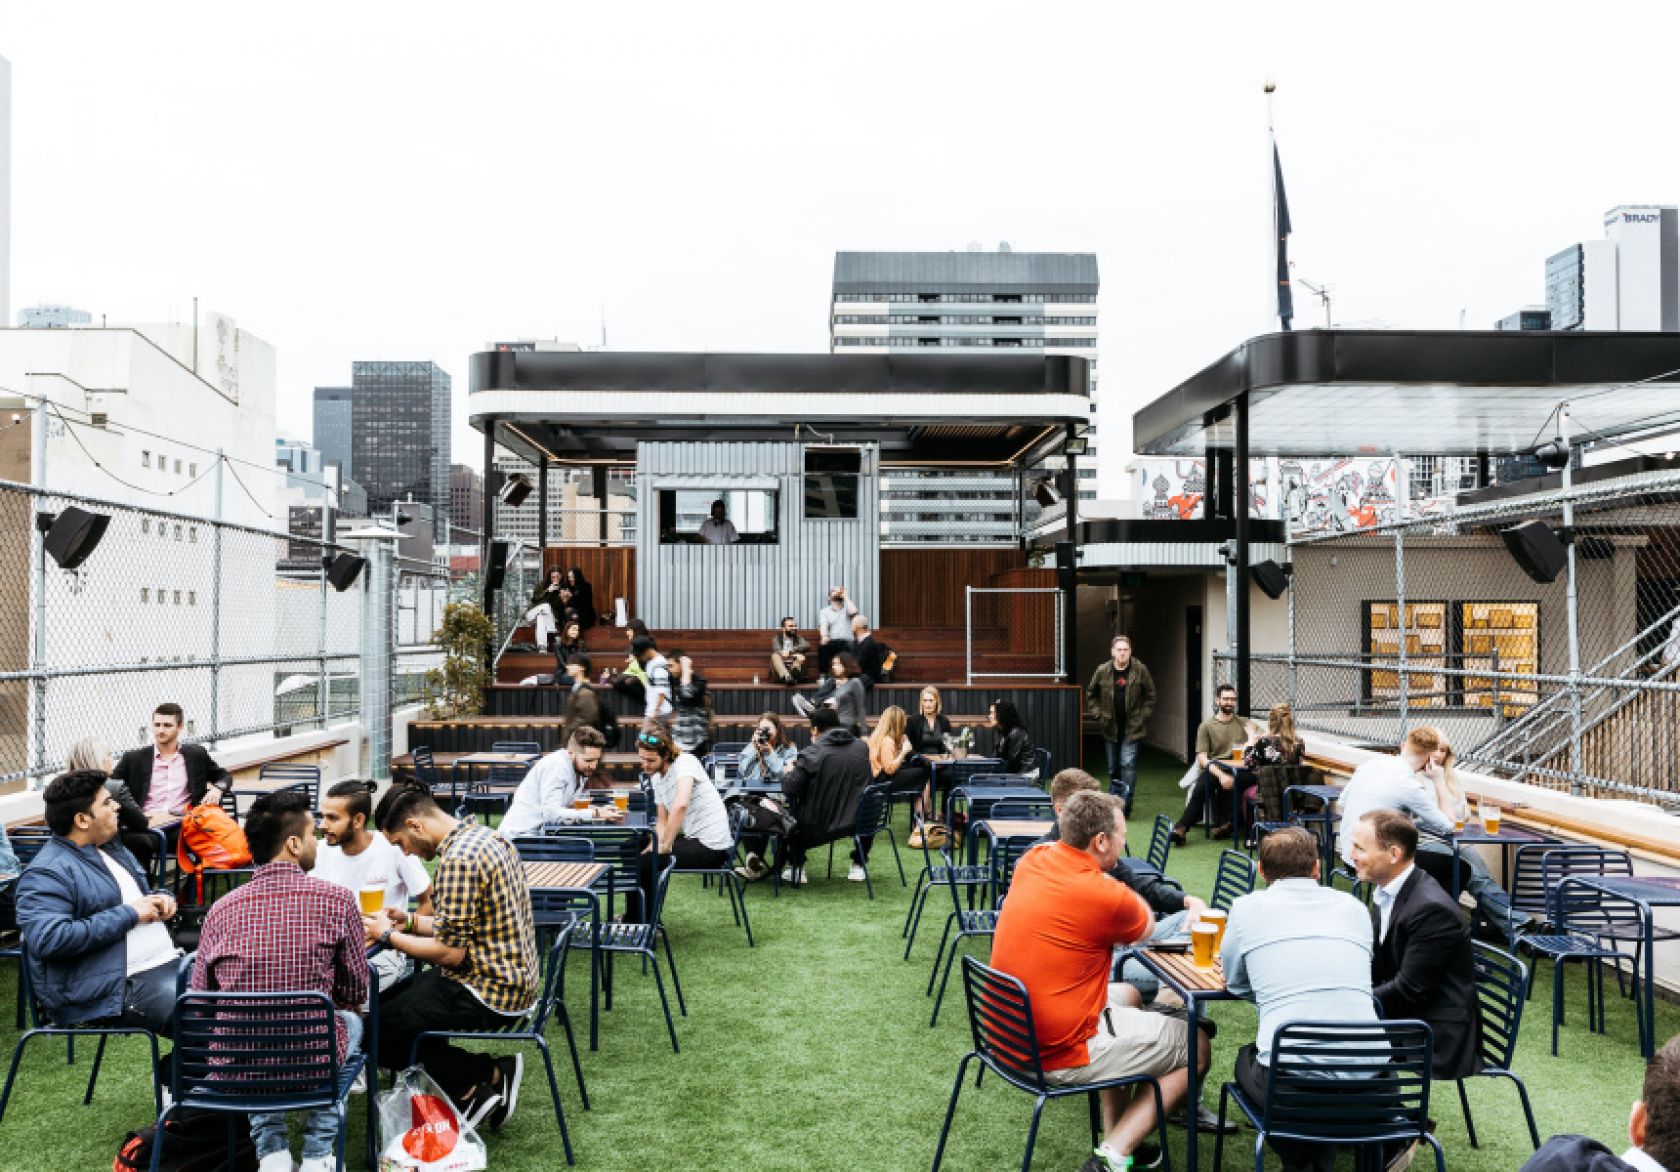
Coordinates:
(402, 181)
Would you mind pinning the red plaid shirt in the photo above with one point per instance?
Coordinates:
(284, 932)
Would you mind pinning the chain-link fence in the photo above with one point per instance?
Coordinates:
(236, 624)
(1572, 683)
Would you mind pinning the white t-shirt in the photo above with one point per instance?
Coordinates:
(707, 822)
(402, 876)
(148, 945)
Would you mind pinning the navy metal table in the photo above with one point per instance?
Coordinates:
(1646, 892)
(1508, 838)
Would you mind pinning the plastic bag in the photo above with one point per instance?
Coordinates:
(1190, 776)
(421, 1131)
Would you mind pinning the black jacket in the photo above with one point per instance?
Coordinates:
(1425, 969)
(1163, 896)
(1015, 750)
(928, 737)
(872, 659)
(1575, 1153)
(135, 769)
(824, 784)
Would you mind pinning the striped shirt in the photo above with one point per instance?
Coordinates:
(483, 907)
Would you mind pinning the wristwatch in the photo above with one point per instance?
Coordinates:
(385, 937)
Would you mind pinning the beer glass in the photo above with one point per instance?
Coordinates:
(1203, 940)
(622, 800)
(1490, 818)
(372, 898)
(1217, 918)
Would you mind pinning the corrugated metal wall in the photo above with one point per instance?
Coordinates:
(751, 586)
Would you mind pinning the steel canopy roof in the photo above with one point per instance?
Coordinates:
(1416, 392)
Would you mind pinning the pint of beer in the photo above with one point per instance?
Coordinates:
(1490, 818)
(373, 899)
(622, 800)
(581, 802)
(1204, 938)
(1215, 917)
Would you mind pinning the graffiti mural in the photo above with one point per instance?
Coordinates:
(1339, 495)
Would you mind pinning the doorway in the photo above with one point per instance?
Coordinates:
(1192, 678)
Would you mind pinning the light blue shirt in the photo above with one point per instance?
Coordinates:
(778, 759)
(1301, 952)
(1388, 783)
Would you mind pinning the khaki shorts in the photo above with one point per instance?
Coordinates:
(1128, 1043)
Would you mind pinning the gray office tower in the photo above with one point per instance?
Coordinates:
(333, 427)
(399, 433)
(972, 302)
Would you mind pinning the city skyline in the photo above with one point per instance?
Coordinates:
(722, 237)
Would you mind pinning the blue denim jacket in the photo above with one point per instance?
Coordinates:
(75, 928)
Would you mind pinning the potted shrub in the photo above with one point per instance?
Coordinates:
(457, 688)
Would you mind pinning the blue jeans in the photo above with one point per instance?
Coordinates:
(1122, 768)
(1490, 898)
(1140, 978)
(320, 1128)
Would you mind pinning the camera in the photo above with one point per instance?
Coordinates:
(760, 737)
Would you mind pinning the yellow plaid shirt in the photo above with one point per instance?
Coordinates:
(482, 906)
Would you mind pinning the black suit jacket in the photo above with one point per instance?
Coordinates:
(1425, 969)
(135, 769)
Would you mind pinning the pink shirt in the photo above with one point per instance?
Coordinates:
(168, 794)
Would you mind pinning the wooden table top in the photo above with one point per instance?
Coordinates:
(1019, 827)
(497, 759)
(1184, 972)
(562, 874)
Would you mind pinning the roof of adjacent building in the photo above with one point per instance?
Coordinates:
(965, 272)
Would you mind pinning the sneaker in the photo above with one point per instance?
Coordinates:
(480, 1103)
(280, 1161)
(796, 878)
(1179, 838)
(1207, 1120)
(803, 706)
(358, 1085)
(1146, 1155)
(317, 1164)
(1223, 830)
(753, 869)
(857, 874)
(914, 842)
(513, 1073)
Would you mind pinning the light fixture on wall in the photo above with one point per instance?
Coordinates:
(1044, 492)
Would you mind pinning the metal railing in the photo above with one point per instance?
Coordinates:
(236, 623)
(1015, 625)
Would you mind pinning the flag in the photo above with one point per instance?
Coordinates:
(1280, 220)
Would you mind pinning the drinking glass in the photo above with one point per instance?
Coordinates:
(1203, 940)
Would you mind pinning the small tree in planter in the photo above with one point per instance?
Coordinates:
(457, 688)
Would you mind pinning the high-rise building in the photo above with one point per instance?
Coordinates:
(53, 317)
(466, 498)
(399, 432)
(1630, 280)
(971, 302)
(5, 190)
(1529, 317)
(333, 426)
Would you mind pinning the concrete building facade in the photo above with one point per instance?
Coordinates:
(399, 432)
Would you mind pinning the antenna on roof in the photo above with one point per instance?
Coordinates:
(603, 325)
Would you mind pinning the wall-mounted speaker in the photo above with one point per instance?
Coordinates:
(516, 489)
(1044, 492)
(344, 570)
(1536, 549)
(1272, 578)
(496, 571)
(72, 535)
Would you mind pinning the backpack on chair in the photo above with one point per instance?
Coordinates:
(197, 1141)
(210, 840)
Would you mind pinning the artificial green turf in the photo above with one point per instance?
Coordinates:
(812, 1051)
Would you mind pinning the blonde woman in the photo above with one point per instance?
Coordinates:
(1449, 791)
(892, 755)
(132, 823)
(927, 730)
(1279, 745)
(1436, 856)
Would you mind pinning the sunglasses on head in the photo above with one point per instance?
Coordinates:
(647, 739)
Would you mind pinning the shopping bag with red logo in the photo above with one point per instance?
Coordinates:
(421, 1131)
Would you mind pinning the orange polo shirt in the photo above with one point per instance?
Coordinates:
(1056, 934)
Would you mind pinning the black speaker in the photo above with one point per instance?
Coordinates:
(344, 570)
(1272, 578)
(72, 535)
(1536, 549)
(517, 488)
(1045, 493)
(497, 569)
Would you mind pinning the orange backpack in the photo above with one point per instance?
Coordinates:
(210, 839)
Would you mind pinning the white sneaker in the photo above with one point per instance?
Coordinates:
(280, 1161)
(317, 1164)
(804, 706)
(796, 878)
(857, 874)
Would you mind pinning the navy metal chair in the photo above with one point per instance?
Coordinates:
(27, 842)
(952, 774)
(728, 763)
(1381, 1097)
(425, 767)
(1022, 809)
(1235, 878)
(944, 873)
(41, 1026)
(1044, 759)
(1006, 1043)
(874, 818)
(1501, 984)
(245, 1053)
(296, 772)
(1577, 915)
(555, 910)
(491, 795)
(620, 848)
(532, 1029)
(729, 748)
(1154, 860)
(974, 924)
(642, 940)
(729, 883)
